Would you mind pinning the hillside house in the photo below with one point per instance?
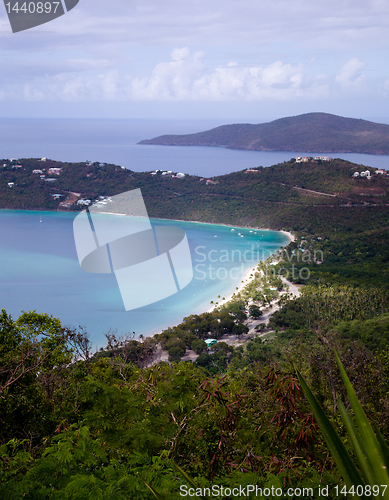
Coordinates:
(323, 158)
(37, 171)
(54, 171)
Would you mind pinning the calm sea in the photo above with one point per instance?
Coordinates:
(39, 270)
(115, 141)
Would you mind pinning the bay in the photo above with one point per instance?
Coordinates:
(39, 270)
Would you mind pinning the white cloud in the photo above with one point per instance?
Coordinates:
(186, 77)
(347, 76)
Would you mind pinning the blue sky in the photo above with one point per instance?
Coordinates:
(233, 60)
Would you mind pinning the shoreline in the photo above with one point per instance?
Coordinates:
(245, 280)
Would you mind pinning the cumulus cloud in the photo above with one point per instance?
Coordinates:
(349, 77)
(186, 77)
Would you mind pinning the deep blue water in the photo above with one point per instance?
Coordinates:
(115, 141)
(39, 270)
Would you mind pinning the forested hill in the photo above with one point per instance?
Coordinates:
(289, 195)
(311, 132)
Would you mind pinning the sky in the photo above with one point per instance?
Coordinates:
(230, 60)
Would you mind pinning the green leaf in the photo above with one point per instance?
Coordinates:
(157, 495)
(188, 479)
(358, 445)
(370, 440)
(339, 453)
(384, 446)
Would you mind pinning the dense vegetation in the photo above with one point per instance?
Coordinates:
(84, 425)
(311, 132)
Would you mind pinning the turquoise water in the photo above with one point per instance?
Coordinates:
(39, 270)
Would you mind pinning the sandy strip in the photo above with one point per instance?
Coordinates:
(246, 279)
(288, 235)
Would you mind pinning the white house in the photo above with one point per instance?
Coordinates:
(323, 158)
(11, 184)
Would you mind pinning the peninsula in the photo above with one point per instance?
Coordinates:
(311, 132)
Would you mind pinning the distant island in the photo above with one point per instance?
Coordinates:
(311, 132)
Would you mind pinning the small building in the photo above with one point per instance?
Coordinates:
(323, 158)
(210, 342)
(56, 196)
(11, 184)
(42, 176)
(84, 202)
(44, 159)
(36, 171)
(17, 166)
(180, 175)
(251, 170)
(210, 181)
(298, 159)
(305, 159)
(366, 174)
(380, 171)
(54, 170)
(49, 179)
(356, 174)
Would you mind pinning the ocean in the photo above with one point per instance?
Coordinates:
(115, 141)
(39, 270)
